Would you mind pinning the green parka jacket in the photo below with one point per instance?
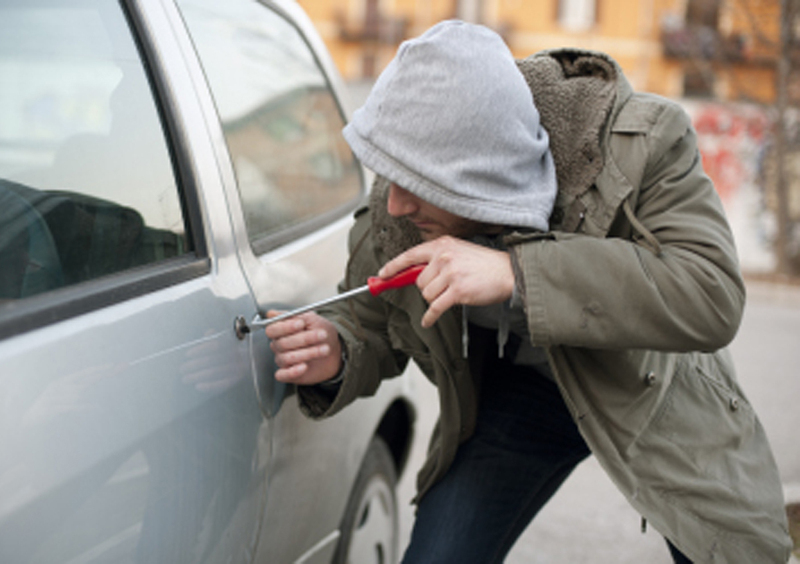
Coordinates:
(634, 293)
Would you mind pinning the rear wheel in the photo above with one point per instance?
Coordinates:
(370, 524)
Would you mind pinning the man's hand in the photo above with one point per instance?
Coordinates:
(458, 272)
(307, 349)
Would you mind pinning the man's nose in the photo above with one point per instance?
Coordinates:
(401, 202)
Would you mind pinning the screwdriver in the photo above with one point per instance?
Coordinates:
(374, 286)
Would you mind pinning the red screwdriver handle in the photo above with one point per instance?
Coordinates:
(401, 279)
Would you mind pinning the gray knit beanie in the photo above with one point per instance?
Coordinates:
(452, 121)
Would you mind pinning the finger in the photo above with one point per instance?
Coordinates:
(299, 340)
(291, 374)
(301, 356)
(416, 255)
(433, 287)
(284, 328)
(436, 308)
(436, 277)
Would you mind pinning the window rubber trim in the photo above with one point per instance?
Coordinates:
(27, 314)
(289, 233)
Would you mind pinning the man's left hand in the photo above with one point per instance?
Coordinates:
(458, 272)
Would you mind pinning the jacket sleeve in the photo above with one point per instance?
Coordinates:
(678, 288)
(362, 326)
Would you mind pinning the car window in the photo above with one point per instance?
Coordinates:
(86, 182)
(281, 122)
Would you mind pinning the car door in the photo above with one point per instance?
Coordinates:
(292, 184)
(130, 430)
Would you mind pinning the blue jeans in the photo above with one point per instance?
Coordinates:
(524, 447)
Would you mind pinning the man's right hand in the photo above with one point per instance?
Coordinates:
(307, 349)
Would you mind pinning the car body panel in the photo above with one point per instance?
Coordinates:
(146, 430)
(98, 412)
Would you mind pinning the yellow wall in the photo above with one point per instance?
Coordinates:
(749, 83)
(745, 16)
(759, 21)
(625, 29)
(628, 30)
(325, 14)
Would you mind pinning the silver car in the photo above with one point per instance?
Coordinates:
(169, 169)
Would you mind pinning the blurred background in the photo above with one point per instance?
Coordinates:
(734, 65)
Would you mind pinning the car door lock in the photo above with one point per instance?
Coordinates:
(240, 327)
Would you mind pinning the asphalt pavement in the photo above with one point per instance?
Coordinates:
(588, 520)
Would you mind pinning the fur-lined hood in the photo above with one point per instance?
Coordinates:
(450, 120)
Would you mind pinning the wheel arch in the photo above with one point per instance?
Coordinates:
(397, 430)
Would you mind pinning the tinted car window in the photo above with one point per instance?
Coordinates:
(86, 183)
(281, 122)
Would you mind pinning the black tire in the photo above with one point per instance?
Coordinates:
(370, 524)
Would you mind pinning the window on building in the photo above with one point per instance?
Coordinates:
(577, 15)
(470, 10)
(697, 82)
(703, 13)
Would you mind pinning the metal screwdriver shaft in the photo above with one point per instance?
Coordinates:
(374, 286)
(260, 321)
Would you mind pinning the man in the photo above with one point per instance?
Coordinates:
(591, 319)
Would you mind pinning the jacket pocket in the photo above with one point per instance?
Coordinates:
(712, 425)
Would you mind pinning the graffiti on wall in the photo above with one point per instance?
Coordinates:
(733, 139)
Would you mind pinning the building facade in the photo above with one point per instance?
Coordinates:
(720, 49)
